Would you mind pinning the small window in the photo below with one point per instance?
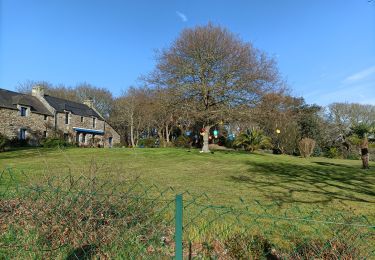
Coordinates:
(23, 111)
(44, 134)
(45, 117)
(94, 122)
(67, 118)
(81, 119)
(22, 134)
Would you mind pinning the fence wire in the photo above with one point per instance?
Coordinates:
(86, 217)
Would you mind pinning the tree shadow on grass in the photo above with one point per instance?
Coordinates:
(335, 165)
(321, 183)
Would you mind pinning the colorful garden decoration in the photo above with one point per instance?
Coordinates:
(216, 133)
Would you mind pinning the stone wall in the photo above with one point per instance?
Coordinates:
(75, 121)
(11, 122)
(36, 126)
(110, 132)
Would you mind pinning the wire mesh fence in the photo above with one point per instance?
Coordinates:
(90, 217)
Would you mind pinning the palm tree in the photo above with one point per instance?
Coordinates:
(252, 140)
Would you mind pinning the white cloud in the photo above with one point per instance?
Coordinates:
(359, 93)
(182, 16)
(360, 75)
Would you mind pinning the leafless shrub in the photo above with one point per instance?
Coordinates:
(334, 249)
(306, 147)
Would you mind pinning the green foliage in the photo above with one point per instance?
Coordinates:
(317, 151)
(332, 152)
(53, 142)
(182, 141)
(308, 121)
(354, 139)
(150, 142)
(118, 145)
(4, 142)
(246, 246)
(253, 140)
(361, 129)
(353, 155)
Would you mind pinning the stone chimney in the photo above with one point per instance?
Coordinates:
(89, 102)
(37, 91)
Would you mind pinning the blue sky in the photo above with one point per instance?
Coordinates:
(325, 49)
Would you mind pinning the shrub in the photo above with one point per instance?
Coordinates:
(182, 141)
(354, 140)
(252, 141)
(353, 155)
(150, 142)
(4, 142)
(306, 147)
(332, 152)
(118, 145)
(333, 249)
(15, 142)
(55, 142)
(372, 153)
(222, 141)
(245, 246)
(317, 151)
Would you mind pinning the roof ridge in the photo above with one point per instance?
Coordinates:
(18, 93)
(10, 99)
(72, 101)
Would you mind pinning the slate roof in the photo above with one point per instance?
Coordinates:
(76, 108)
(10, 99)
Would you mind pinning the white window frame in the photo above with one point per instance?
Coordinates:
(26, 111)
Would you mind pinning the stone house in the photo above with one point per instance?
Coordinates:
(37, 116)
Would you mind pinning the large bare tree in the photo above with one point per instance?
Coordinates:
(132, 110)
(215, 73)
(102, 97)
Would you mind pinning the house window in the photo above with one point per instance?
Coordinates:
(44, 134)
(94, 122)
(81, 119)
(67, 118)
(45, 117)
(22, 134)
(23, 111)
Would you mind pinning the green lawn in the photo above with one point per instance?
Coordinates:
(223, 176)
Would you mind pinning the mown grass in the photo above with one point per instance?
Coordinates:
(224, 176)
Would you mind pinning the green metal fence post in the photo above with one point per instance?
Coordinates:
(178, 232)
